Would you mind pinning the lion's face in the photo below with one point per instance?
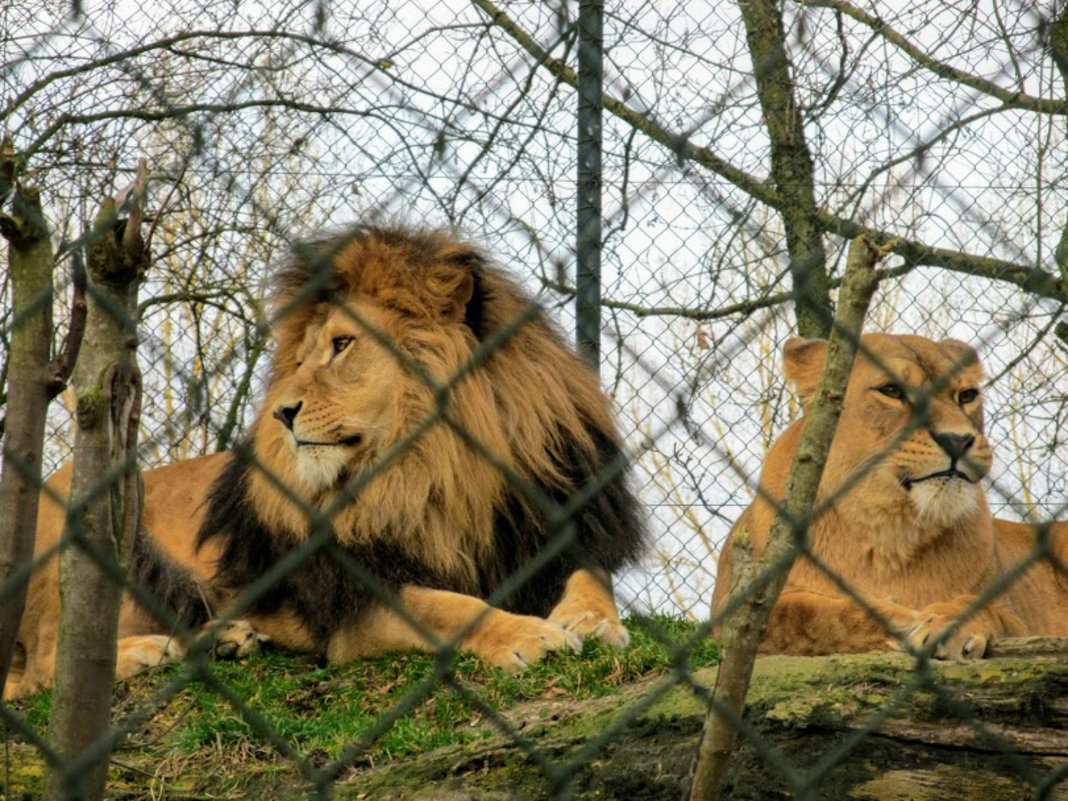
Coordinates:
(912, 425)
(334, 404)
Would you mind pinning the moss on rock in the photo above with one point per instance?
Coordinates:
(948, 731)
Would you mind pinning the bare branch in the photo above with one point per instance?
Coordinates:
(916, 254)
(63, 365)
(1011, 98)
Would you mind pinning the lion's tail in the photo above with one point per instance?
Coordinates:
(172, 587)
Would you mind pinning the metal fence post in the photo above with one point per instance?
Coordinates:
(588, 246)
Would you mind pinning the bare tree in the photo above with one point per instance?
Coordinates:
(105, 505)
(29, 390)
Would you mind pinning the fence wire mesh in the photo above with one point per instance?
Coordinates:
(738, 158)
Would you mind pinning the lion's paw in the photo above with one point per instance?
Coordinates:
(236, 639)
(586, 623)
(967, 640)
(138, 653)
(514, 642)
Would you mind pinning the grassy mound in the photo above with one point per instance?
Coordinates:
(267, 721)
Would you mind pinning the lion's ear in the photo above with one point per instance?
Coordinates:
(451, 289)
(803, 363)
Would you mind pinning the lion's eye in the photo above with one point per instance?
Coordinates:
(894, 391)
(340, 343)
(967, 396)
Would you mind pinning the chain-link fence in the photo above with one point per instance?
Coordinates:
(743, 146)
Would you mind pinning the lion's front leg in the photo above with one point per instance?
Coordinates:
(437, 618)
(588, 609)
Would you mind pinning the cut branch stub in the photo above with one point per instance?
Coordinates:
(25, 226)
(116, 250)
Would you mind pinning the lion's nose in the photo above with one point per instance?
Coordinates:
(287, 414)
(955, 445)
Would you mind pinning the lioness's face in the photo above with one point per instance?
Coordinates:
(912, 424)
(329, 412)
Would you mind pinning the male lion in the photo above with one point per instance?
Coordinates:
(425, 413)
(909, 529)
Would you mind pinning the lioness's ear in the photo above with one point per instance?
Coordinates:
(962, 352)
(450, 288)
(802, 361)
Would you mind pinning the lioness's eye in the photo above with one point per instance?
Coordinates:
(966, 396)
(891, 391)
(340, 343)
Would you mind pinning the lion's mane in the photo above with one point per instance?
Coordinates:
(459, 504)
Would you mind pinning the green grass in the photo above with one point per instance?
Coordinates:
(322, 711)
(326, 708)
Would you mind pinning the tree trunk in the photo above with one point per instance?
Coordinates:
(791, 165)
(756, 585)
(29, 382)
(103, 513)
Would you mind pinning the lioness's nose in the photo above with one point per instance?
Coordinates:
(287, 414)
(955, 445)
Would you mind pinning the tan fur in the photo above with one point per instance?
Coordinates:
(916, 551)
(435, 497)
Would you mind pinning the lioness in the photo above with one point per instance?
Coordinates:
(909, 529)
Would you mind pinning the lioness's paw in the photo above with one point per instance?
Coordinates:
(967, 640)
(964, 643)
(236, 639)
(513, 642)
(141, 652)
(586, 623)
